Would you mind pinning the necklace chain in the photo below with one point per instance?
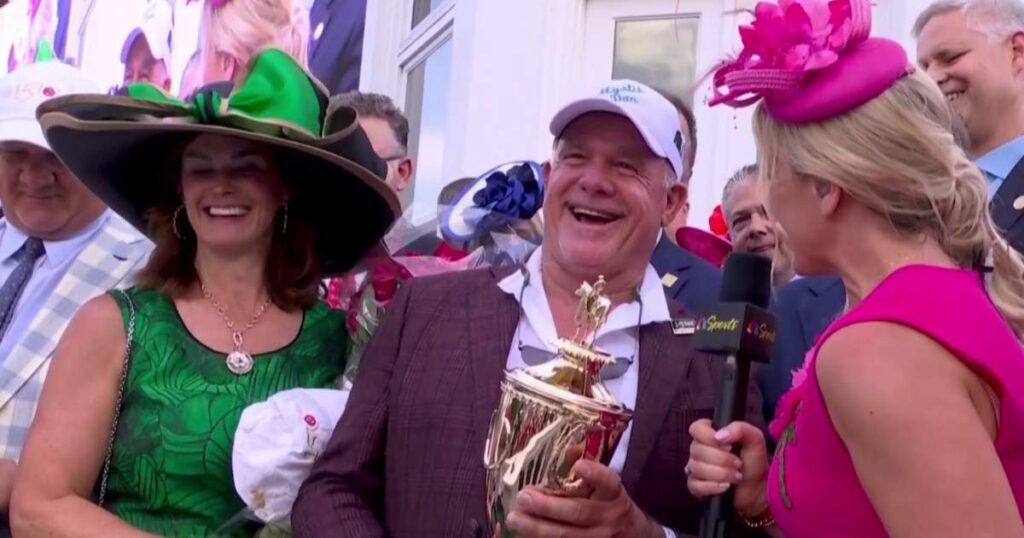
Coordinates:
(235, 333)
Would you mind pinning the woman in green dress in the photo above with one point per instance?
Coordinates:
(251, 197)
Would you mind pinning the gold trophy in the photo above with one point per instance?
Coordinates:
(553, 414)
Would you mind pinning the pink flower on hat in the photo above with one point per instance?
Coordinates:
(795, 35)
(785, 42)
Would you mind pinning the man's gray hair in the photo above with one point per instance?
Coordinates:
(375, 105)
(743, 175)
(1000, 19)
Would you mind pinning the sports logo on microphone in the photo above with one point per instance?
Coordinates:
(762, 331)
(712, 324)
(738, 328)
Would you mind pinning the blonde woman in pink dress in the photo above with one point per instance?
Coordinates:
(907, 418)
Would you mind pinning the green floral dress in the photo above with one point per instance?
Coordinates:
(170, 471)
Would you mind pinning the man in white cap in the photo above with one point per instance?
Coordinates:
(147, 50)
(59, 247)
(406, 457)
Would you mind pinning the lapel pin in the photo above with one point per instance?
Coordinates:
(684, 326)
(1018, 204)
(669, 280)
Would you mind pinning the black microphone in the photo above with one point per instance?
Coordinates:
(740, 329)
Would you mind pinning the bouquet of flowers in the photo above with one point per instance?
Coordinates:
(379, 285)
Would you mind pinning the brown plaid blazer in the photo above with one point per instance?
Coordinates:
(406, 459)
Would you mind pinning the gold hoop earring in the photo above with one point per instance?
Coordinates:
(174, 222)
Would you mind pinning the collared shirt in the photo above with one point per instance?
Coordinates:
(49, 270)
(617, 336)
(998, 163)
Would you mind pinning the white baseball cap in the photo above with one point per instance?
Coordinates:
(24, 89)
(275, 446)
(652, 115)
(157, 21)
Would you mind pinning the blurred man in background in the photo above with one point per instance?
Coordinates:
(686, 277)
(388, 131)
(689, 127)
(750, 228)
(147, 50)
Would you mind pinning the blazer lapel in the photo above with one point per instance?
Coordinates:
(815, 311)
(320, 19)
(673, 270)
(492, 319)
(1005, 215)
(100, 266)
(664, 360)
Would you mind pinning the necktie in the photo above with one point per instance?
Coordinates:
(11, 290)
(533, 356)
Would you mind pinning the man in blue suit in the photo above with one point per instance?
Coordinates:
(688, 279)
(803, 309)
(336, 43)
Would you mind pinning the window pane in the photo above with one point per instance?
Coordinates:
(661, 53)
(426, 106)
(422, 8)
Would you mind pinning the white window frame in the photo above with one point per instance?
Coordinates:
(391, 48)
(428, 36)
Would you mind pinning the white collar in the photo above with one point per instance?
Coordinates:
(12, 239)
(655, 306)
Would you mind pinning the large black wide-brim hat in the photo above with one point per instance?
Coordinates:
(124, 148)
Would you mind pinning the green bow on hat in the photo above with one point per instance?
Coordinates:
(277, 98)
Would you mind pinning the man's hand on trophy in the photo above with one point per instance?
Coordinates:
(608, 511)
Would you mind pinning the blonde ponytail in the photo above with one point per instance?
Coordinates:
(969, 236)
(1006, 285)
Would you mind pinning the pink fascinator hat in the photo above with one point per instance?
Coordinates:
(809, 60)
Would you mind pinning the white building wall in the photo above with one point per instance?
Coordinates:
(516, 61)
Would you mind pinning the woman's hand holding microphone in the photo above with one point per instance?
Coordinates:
(713, 467)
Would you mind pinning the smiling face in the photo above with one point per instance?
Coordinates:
(980, 76)
(231, 192)
(141, 66)
(750, 229)
(607, 197)
(40, 196)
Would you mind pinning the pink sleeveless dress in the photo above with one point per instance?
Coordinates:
(813, 488)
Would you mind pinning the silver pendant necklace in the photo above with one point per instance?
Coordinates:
(239, 361)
